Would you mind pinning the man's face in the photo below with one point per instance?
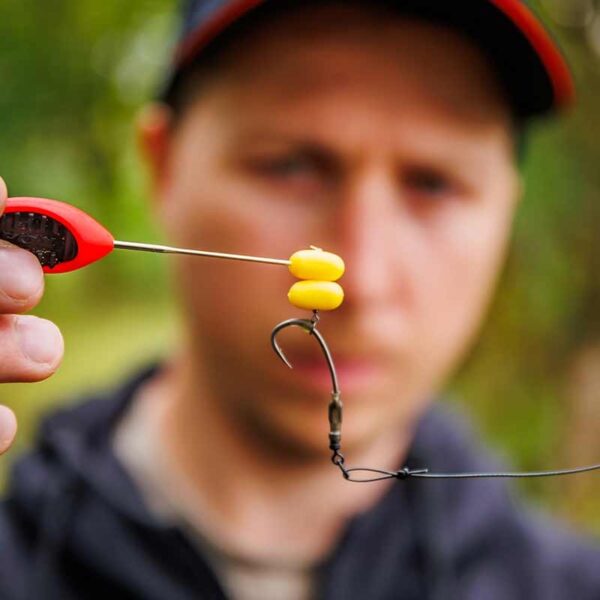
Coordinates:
(386, 141)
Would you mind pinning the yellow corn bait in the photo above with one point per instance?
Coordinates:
(317, 265)
(316, 295)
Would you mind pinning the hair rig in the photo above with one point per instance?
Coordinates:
(64, 239)
(368, 474)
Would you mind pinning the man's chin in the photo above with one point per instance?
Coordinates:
(292, 444)
(306, 440)
(292, 421)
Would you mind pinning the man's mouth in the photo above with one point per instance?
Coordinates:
(354, 373)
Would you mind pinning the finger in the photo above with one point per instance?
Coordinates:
(21, 279)
(31, 349)
(8, 428)
(3, 194)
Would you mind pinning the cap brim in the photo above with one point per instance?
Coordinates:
(527, 59)
(544, 47)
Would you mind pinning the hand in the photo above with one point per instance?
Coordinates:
(31, 349)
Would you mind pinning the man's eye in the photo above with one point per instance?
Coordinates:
(429, 182)
(288, 166)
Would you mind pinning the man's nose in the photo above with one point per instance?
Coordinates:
(368, 234)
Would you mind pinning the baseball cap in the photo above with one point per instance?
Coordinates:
(528, 62)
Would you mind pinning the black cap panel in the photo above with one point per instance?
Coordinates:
(528, 63)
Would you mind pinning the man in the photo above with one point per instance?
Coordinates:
(386, 132)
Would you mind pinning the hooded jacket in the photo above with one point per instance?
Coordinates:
(73, 526)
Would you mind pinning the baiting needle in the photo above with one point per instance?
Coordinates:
(172, 250)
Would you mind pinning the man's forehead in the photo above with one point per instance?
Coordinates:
(391, 67)
(346, 107)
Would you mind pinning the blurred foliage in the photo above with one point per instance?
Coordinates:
(524, 381)
(73, 74)
(73, 77)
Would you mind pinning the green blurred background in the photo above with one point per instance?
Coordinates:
(73, 75)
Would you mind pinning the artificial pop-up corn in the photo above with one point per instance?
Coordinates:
(316, 264)
(316, 295)
(319, 271)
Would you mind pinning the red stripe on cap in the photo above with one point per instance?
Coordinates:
(199, 38)
(544, 46)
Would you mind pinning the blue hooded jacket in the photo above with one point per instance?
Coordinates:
(73, 526)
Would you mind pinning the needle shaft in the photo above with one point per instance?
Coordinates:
(171, 250)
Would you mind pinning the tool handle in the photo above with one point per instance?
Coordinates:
(62, 237)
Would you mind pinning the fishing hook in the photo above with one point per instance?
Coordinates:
(335, 404)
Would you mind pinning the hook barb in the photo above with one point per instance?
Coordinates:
(275, 343)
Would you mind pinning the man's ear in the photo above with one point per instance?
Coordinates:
(154, 139)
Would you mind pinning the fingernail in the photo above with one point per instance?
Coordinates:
(39, 340)
(8, 427)
(18, 279)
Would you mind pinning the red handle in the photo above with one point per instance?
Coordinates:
(64, 239)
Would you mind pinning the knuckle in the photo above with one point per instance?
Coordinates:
(21, 279)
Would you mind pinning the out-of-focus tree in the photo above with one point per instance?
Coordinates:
(534, 378)
(73, 75)
(579, 21)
